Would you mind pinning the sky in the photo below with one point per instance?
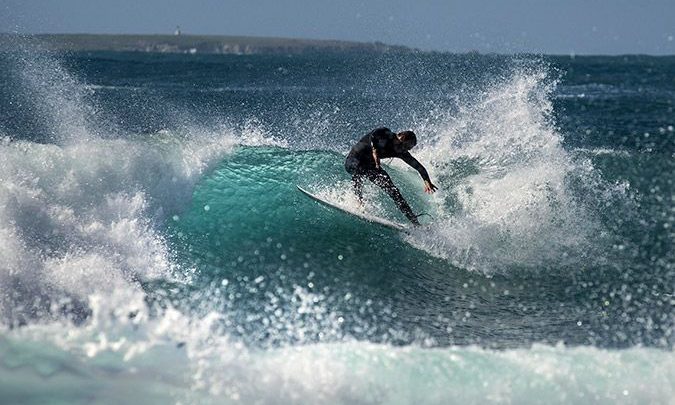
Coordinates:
(506, 26)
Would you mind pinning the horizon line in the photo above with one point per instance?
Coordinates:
(345, 41)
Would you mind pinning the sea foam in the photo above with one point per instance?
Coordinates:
(178, 359)
(510, 194)
(82, 204)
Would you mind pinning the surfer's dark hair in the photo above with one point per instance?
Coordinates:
(408, 136)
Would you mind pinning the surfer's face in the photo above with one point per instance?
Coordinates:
(404, 145)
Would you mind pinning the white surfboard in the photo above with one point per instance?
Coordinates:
(361, 215)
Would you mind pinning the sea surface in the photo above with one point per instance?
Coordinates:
(154, 247)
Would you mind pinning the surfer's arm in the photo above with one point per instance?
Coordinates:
(429, 187)
(378, 138)
(376, 159)
(412, 162)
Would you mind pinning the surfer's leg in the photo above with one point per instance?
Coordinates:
(382, 180)
(352, 167)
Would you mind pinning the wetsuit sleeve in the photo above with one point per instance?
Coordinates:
(410, 160)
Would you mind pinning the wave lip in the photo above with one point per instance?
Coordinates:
(511, 195)
(78, 219)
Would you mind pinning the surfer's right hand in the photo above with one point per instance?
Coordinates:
(429, 187)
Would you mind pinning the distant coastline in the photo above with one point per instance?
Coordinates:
(200, 44)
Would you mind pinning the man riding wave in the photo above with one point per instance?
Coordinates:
(364, 161)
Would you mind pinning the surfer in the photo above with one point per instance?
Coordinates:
(364, 161)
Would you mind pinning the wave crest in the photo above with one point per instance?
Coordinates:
(513, 196)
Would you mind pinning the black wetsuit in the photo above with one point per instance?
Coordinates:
(360, 163)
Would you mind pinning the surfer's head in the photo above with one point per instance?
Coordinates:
(408, 139)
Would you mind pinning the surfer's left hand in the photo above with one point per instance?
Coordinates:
(429, 187)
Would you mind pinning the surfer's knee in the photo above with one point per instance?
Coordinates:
(351, 165)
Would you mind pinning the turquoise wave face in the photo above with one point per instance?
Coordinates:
(251, 199)
(259, 241)
(259, 250)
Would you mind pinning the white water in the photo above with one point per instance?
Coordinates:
(140, 360)
(86, 217)
(82, 218)
(505, 194)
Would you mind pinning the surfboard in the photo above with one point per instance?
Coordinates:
(361, 215)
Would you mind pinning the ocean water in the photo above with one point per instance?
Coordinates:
(154, 248)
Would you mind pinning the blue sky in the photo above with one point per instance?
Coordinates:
(559, 27)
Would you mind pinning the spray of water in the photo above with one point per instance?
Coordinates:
(511, 195)
(81, 214)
